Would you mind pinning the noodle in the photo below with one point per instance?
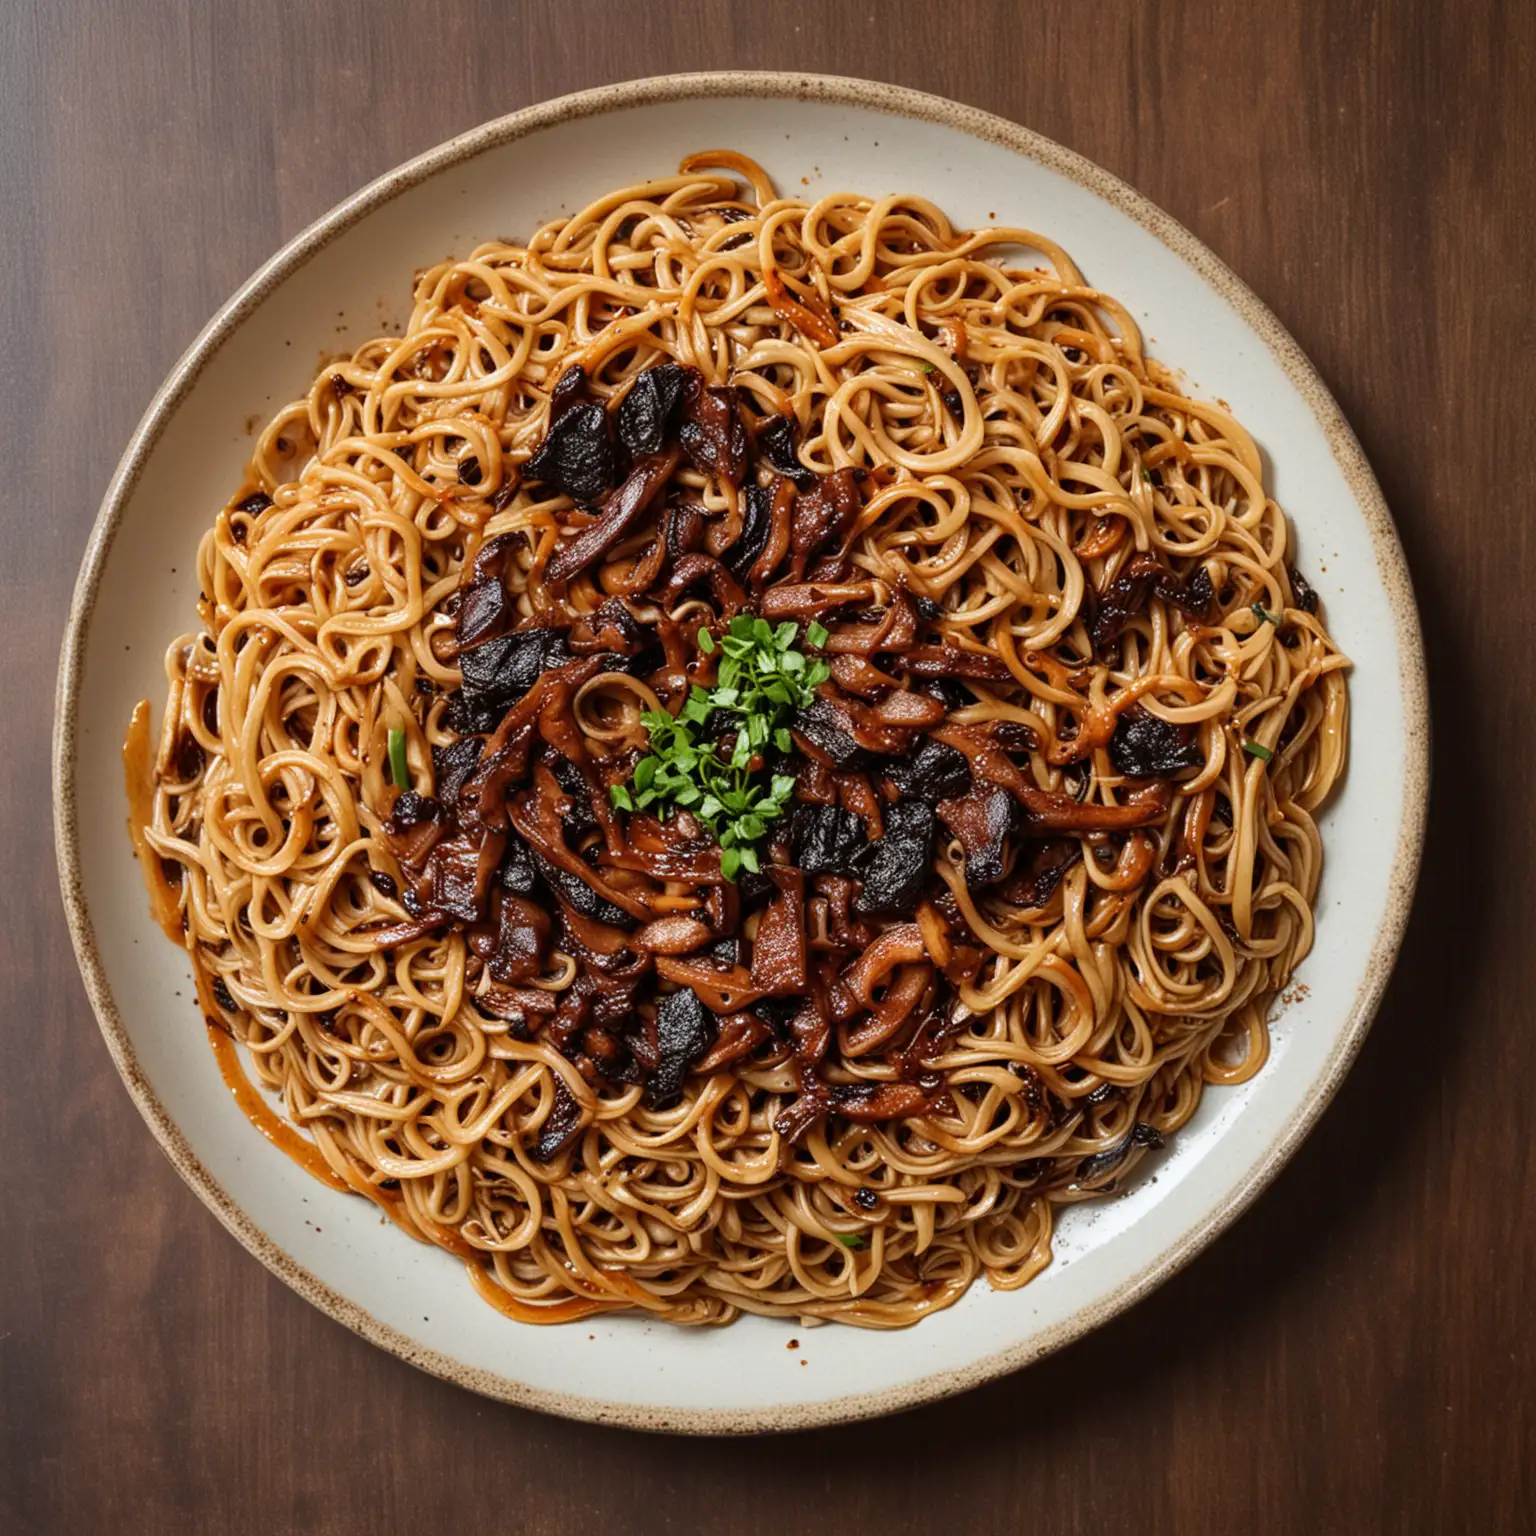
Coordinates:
(1022, 456)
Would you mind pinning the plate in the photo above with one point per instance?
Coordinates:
(348, 276)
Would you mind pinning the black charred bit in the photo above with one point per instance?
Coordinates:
(452, 765)
(648, 412)
(826, 840)
(896, 868)
(822, 724)
(935, 771)
(499, 672)
(561, 1128)
(582, 898)
(776, 439)
(518, 875)
(1033, 882)
(1195, 596)
(983, 821)
(412, 808)
(1145, 747)
(577, 456)
(757, 520)
(684, 1030)
(578, 820)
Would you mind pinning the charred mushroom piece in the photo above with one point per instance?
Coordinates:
(1145, 747)
(576, 456)
(683, 528)
(778, 952)
(776, 438)
(484, 612)
(611, 628)
(416, 825)
(1124, 598)
(723, 587)
(938, 661)
(713, 437)
(570, 388)
(521, 933)
(1033, 882)
(518, 874)
(618, 515)
(649, 410)
(451, 766)
(824, 514)
(757, 508)
(826, 727)
(578, 818)
(498, 673)
(895, 869)
(582, 898)
(1194, 596)
(935, 771)
(460, 879)
(982, 820)
(951, 694)
(561, 1128)
(684, 1030)
(524, 1008)
(826, 840)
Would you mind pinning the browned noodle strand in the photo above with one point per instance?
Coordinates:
(1024, 448)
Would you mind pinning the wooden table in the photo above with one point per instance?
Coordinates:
(1357, 1355)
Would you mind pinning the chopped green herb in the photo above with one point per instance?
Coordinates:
(817, 634)
(761, 679)
(1146, 476)
(849, 1239)
(1253, 749)
(399, 771)
(1264, 616)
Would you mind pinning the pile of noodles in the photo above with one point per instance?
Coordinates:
(1060, 451)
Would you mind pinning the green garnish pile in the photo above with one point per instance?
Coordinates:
(762, 680)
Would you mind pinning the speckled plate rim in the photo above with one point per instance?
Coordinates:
(889, 99)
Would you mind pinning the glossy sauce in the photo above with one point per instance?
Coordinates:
(139, 779)
(255, 1108)
(557, 1312)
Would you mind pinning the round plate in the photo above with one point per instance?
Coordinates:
(344, 280)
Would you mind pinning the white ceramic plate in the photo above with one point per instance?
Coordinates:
(334, 286)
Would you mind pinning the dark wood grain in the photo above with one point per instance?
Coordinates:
(1358, 1353)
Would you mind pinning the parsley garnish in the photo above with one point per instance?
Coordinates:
(849, 1239)
(1263, 615)
(761, 681)
(1254, 749)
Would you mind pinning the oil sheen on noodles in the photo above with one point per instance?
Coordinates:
(1096, 548)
